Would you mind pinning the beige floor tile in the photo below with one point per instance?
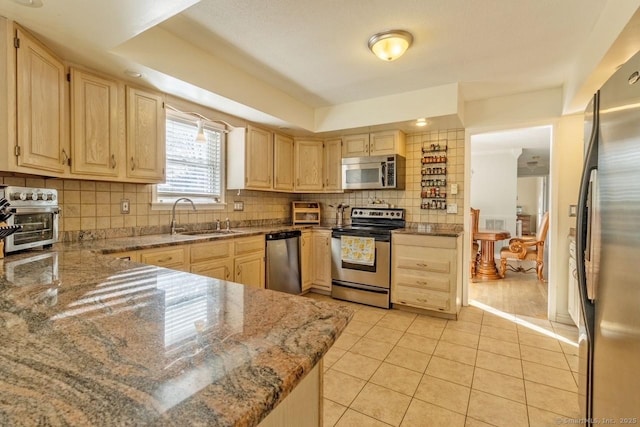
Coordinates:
(332, 356)
(460, 325)
(396, 378)
(418, 343)
(554, 377)
(407, 358)
(499, 333)
(539, 341)
(541, 418)
(397, 320)
(352, 418)
(372, 348)
(569, 348)
(356, 327)
(460, 338)
(552, 399)
(368, 316)
(331, 412)
(443, 393)
(471, 314)
(357, 365)
(346, 341)
(449, 370)
(340, 387)
(424, 414)
(382, 404)
(504, 348)
(458, 353)
(566, 331)
(544, 357)
(497, 410)
(390, 336)
(499, 322)
(472, 422)
(498, 363)
(573, 362)
(499, 384)
(427, 327)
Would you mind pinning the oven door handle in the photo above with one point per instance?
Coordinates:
(43, 209)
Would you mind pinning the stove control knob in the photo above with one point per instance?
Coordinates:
(40, 196)
(32, 196)
(50, 196)
(19, 196)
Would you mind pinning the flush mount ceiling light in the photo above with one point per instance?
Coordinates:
(29, 3)
(421, 122)
(390, 45)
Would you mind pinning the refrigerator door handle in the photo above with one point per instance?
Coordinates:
(592, 243)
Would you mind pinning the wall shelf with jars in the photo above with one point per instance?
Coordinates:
(434, 176)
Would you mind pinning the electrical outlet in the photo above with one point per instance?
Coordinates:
(125, 207)
(454, 188)
(452, 208)
(238, 205)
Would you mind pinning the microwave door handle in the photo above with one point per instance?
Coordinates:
(384, 173)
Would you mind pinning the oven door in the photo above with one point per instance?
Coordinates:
(376, 275)
(39, 228)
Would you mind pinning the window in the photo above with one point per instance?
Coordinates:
(194, 169)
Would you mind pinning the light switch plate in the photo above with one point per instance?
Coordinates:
(452, 208)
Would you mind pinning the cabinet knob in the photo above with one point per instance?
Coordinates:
(65, 157)
(133, 164)
(113, 161)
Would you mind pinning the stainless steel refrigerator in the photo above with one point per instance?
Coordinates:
(608, 237)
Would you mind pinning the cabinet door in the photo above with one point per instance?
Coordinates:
(174, 258)
(145, 136)
(309, 169)
(259, 159)
(306, 261)
(217, 269)
(40, 106)
(333, 165)
(249, 270)
(355, 145)
(389, 142)
(94, 124)
(283, 163)
(322, 259)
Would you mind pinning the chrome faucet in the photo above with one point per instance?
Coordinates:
(173, 212)
(217, 225)
(227, 223)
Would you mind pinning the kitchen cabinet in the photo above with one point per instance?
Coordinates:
(40, 86)
(374, 144)
(333, 165)
(308, 165)
(426, 273)
(573, 290)
(306, 261)
(249, 262)
(145, 118)
(175, 258)
(321, 260)
(283, 158)
(250, 159)
(212, 259)
(95, 135)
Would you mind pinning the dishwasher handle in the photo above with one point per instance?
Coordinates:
(281, 235)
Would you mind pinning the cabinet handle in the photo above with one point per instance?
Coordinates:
(326, 241)
(421, 282)
(65, 157)
(421, 264)
(133, 164)
(226, 272)
(298, 181)
(165, 259)
(239, 271)
(327, 182)
(422, 300)
(113, 161)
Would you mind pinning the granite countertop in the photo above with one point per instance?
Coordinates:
(445, 230)
(92, 340)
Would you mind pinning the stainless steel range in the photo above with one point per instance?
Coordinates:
(361, 256)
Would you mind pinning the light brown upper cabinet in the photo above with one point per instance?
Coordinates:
(333, 165)
(250, 159)
(374, 144)
(309, 165)
(145, 135)
(283, 163)
(95, 136)
(40, 77)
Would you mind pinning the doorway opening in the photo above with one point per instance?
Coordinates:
(509, 186)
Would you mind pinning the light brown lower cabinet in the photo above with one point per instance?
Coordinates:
(321, 268)
(306, 260)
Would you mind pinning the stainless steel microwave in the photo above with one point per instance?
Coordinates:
(373, 173)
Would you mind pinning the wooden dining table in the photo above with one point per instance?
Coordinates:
(486, 268)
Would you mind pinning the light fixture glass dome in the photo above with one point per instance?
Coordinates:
(390, 45)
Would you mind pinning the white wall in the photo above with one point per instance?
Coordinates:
(494, 190)
(528, 198)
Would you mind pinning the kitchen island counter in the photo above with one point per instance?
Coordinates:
(93, 340)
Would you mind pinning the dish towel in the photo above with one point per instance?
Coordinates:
(358, 250)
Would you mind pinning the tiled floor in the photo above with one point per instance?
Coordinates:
(487, 369)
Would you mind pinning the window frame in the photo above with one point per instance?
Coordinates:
(159, 202)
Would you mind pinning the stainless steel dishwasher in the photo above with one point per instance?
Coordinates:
(283, 261)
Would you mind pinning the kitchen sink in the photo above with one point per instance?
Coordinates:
(212, 232)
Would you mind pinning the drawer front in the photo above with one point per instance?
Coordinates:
(249, 245)
(164, 258)
(421, 298)
(423, 259)
(210, 250)
(424, 241)
(414, 279)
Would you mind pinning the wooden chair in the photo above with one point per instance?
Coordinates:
(475, 246)
(526, 249)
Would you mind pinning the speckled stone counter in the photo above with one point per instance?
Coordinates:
(446, 230)
(92, 340)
